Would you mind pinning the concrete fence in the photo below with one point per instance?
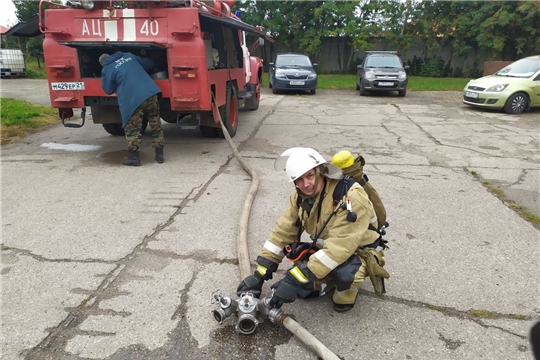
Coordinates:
(335, 51)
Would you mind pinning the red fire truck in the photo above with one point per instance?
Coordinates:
(200, 47)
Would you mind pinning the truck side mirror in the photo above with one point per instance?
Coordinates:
(271, 64)
(359, 67)
(406, 67)
(315, 65)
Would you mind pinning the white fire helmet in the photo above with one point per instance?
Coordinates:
(299, 160)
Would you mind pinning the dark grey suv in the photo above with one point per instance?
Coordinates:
(382, 71)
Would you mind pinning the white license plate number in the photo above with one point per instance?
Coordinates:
(386, 84)
(67, 86)
(471, 95)
(297, 82)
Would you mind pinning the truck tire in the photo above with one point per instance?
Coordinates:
(118, 130)
(253, 102)
(114, 129)
(229, 112)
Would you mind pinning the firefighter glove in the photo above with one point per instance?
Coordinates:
(253, 283)
(286, 290)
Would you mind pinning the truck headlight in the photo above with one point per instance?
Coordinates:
(369, 75)
(88, 4)
(402, 76)
(312, 76)
(496, 88)
(280, 75)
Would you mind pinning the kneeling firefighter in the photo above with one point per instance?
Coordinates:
(346, 245)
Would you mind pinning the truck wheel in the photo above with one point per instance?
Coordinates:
(114, 129)
(253, 102)
(117, 130)
(402, 92)
(229, 112)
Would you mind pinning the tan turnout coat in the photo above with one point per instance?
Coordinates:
(342, 238)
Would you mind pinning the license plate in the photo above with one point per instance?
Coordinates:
(386, 84)
(471, 95)
(296, 82)
(67, 86)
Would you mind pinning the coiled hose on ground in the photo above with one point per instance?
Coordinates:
(243, 253)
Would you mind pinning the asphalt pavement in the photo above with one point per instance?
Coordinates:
(103, 261)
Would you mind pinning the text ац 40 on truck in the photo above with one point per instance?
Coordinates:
(199, 45)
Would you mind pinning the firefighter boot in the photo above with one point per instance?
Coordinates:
(159, 155)
(132, 159)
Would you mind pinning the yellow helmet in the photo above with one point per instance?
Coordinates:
(343, 159)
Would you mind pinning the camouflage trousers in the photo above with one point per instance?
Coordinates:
(133, 128)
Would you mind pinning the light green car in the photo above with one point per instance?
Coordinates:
(515, 88)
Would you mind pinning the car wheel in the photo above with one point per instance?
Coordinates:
(274, 91)
(362, 90)
(357, 87)
(402, 92)
(313, 92)
(269, 85)
(516, 103)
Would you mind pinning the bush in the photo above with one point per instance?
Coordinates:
(474, 72)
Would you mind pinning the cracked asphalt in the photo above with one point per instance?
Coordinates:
(103, 261)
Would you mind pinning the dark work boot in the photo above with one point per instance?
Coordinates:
(159, 155)
(132, 159)
(342, 307)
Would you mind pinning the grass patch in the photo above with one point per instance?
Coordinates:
(35, 70)
(525, 213)
(18, 118)
(483, 314)
(519, 209)
(416, 83)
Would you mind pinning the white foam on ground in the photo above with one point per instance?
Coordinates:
(71, 147)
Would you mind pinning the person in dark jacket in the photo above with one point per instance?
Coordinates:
(127, 75)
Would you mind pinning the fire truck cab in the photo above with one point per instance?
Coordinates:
(203, 63)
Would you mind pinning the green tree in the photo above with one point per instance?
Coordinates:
(26, 9)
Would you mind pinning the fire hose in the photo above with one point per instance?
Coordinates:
(248, 306)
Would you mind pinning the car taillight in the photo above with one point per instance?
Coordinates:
(187, 73)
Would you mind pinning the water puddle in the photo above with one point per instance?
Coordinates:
(116, 157)
(71, 147)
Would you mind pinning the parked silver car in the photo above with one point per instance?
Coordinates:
(382, 71)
